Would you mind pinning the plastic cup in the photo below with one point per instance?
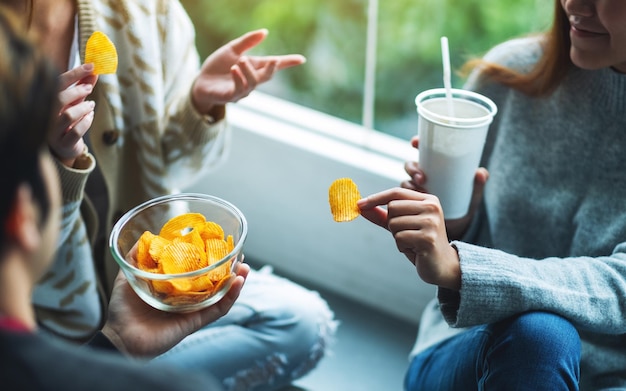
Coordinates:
(450, 147)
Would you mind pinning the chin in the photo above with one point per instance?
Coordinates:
(587, 62)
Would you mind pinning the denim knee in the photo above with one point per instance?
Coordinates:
(543, 335)
(532, 351)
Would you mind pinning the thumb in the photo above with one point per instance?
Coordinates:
(248, 41)
(480, 180)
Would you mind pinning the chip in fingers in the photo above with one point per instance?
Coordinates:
(343, 195)
(101, 52)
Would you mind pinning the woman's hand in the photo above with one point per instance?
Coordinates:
(227, 75)
(139, 330)
(76, 115)
(419, 182)
(415, 220)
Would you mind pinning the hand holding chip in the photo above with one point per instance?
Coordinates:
(228, 75)
(416, 222)
(76, 114)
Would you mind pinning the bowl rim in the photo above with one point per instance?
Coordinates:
(115, 231)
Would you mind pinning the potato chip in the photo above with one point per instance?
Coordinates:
(195, 239)
(183, 286)
(102, 53)
(186, 298)
(186, 243)
(231, 243)
(180, 257)
(342, 197)
(157, 244)
(181, 225)
(211, 230)
(164, 287)
(216, 249)
(144, 259)
(221, 272)
(221, 283)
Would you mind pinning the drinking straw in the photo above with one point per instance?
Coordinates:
(445, 55)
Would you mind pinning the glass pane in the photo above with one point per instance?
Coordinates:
(332, 35)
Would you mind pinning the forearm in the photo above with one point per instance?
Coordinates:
(495, 285)
(67, 299)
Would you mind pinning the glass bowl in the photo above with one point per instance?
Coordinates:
(151, 216)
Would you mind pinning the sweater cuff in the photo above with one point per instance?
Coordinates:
(100, 341)
(449, 301)
(73, 180)
(201, 128)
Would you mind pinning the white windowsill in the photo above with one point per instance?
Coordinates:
(282, 160)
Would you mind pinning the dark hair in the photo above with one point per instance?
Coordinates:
(549, 70)
(28, 99)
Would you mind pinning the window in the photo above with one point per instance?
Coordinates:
(404, 42)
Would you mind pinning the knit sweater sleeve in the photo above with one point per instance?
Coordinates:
(496, 285)
(66, 299)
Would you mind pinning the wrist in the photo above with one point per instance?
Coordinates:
(211, 112)
(215, 114)
(102, 342)
(114, 339)
(81, 161)
(453, 282)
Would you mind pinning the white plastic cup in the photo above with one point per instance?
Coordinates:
(450, 147)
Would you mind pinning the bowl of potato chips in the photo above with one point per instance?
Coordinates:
(180, 252)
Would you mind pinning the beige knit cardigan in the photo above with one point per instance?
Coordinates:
(147, 139)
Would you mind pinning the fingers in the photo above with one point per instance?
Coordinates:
(70, 77)
(370, 206)
(74, 94)
(80, 128)
(245, 76)
(284, 61)
(290, 60)
(385, 197)
(71, 117)
(66, 141)
(248, 41)
(243, 269)
(251, 39)
(480, 180)
(416, 179)
(222, 307)
(266, 73)
(376, 215)
(235, 289)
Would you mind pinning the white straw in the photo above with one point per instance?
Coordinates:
(445, 55)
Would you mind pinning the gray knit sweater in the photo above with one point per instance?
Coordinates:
(552, 231)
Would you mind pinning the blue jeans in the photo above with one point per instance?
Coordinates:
(276, 332)
(532, 351)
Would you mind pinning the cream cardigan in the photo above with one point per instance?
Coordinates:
(147, 139)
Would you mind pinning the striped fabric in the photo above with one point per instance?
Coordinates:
(147, 139)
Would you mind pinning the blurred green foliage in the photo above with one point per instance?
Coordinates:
(332, 35)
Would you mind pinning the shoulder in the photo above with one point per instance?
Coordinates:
(131, 12)
(520, 54)
(44, 363)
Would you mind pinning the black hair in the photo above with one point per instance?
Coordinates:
(28, 99)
